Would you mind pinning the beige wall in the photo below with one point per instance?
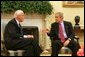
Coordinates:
(69, 13)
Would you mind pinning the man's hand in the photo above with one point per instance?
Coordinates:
(46, 30)
(66, 42)
(30, 36)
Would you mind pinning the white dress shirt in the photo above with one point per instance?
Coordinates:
(17, 22)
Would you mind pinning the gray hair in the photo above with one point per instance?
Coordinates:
(18, 12)
(60, 14)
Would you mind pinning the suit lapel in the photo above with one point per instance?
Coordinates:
(66, 27)
(56, 28)
(16, 23)
(18, 28)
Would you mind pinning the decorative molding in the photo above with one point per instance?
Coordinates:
(73, 4)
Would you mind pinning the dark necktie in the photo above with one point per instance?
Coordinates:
(61, 35)
(21, 30)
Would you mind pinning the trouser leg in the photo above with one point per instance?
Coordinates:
(56, 46)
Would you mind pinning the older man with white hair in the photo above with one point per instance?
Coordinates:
(15, 40)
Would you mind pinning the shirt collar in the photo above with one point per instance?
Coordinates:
(61, 22)
(17, 22)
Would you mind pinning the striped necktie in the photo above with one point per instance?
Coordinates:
(61, 35)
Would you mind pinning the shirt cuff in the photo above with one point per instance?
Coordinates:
(25, 36)
(69, 39)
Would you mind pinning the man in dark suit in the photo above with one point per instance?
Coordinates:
(61, 34)
(15, 40)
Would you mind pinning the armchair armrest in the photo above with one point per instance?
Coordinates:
(77, 38)
(4, 51)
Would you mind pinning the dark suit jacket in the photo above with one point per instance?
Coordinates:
(12, 32)
(55, 30)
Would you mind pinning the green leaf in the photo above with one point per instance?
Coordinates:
(40, 7)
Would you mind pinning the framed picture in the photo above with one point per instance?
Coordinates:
(73, 3)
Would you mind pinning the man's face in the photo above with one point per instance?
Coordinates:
(58, 18)
(21, 17)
